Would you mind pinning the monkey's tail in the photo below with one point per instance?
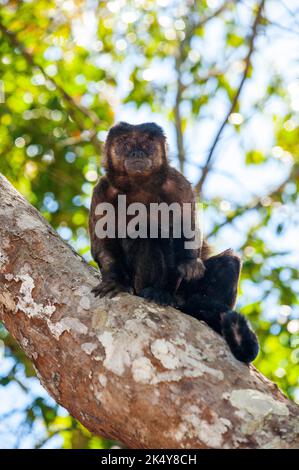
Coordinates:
(239, 336)
(231, 325)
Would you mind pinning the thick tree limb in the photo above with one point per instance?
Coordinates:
(127, 369)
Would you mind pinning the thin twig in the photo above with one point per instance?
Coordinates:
(283, 27)
(291, 13)
(184, 47)
(206, 168)
(257, 203)
(193, 26)
(178, 118)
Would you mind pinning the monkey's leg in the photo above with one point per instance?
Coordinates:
(114, 280)
(158, 295)
(155, 272)
(217, 289)
(108, 254)
(213, 300)
(220, 281)
(110, 288)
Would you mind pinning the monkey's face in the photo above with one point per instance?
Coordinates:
(136, 150)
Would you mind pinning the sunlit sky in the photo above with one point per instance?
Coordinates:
(277, 50)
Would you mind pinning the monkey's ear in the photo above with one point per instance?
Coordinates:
(105, 156)
(104, 160)
(164, 148)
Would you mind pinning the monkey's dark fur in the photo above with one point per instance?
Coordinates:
(162, 269)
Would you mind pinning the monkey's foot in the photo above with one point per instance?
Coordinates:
(159, 296)
(240, 338)
(191, 269)
(110, 288)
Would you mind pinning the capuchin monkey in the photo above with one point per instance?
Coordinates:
(162, 269)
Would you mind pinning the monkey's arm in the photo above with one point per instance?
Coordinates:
(187, 246)
(190, 264)
(106, 251)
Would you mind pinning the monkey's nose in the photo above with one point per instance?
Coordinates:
(137, 154)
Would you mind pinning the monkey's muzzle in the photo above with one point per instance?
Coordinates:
(138, 162)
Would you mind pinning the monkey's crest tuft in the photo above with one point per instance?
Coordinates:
(150, 128)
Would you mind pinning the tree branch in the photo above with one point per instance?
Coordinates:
(257, 202)
(177, 115)
(73, 105)
(247, 61)
(182, 53)
(148, 376)
(192, 26)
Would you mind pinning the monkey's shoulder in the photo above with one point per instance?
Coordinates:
(176, 187)
(104, 190)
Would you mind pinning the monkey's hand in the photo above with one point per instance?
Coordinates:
(191, 269)
(110, 288)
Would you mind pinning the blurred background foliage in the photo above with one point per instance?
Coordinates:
(222, 79)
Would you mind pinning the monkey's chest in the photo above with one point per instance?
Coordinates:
(144, 215)
(149, 261)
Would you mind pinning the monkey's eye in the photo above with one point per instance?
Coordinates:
(122, 139)
(122, 147)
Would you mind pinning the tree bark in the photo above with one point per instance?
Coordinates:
(148, 376)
